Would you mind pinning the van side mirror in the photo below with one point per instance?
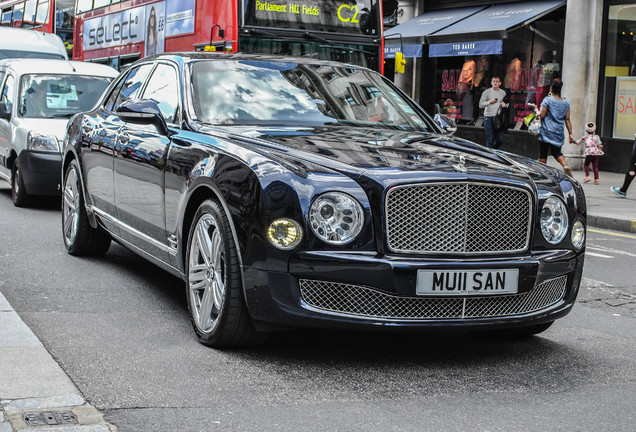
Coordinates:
(5, 111)
(144, 112)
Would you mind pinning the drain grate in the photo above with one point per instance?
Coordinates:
(49, 418)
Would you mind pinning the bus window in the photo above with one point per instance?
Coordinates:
(42, 14)
(84, 6)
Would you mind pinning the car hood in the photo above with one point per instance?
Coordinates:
(389, 156)
(44, 126)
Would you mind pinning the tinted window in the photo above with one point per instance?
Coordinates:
(163, 88)
(129, 87)
(258, 92)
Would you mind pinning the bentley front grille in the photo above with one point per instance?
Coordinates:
(458, 218)
(369, 302)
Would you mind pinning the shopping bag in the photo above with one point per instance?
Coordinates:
(535, 126)
(527, 119)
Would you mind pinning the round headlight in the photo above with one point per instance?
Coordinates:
(336, 218)
(554, 220)
(284, 233)
(578, 234)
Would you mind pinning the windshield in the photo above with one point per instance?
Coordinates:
(259, 92)
(50, 96)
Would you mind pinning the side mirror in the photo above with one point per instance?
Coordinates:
(5, 111)
(144, 112)
(447, 124)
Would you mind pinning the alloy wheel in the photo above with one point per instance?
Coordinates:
(70, 207)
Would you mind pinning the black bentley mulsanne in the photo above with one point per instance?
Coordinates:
(299, 193)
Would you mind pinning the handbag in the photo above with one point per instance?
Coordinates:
(535, 125)
(500, 120)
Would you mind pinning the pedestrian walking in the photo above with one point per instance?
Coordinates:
(555, 115)
(593, 152)
(629, 176)
(491, 100)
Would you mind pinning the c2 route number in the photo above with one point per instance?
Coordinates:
(354, 9)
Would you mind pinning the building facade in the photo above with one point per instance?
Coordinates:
(589, 44)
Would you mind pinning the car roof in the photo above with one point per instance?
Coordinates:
(50, 66)
(31, 40)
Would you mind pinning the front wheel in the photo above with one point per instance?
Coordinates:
(214, 288)
(80, 238)
(18, 191)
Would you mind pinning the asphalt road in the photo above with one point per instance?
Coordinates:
(120, 328)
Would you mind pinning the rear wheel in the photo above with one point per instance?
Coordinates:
(214, 288)
(18, 191)
(80, 238)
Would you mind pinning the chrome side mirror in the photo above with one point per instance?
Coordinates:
(447, 124)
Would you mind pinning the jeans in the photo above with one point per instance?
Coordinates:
(494, 139)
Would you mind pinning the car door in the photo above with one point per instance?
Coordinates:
(6, 135)
(140, 157)
(101, 130)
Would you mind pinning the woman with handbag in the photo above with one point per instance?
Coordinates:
(554, 115)
(491, 101)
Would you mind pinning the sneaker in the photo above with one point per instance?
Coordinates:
(618, 192)
(586, 180)
(597, 181)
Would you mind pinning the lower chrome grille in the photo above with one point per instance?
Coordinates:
(369, 302)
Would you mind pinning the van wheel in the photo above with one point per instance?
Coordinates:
(18, 191)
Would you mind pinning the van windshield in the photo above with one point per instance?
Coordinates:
(50, 96)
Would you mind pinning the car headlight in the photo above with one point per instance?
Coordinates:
(284, 233)
(35, 141)
(578, 234)
(554, 220)
(336, 218)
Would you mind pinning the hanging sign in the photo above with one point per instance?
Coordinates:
(455, 49)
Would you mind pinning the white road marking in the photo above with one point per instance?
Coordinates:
(597, 255)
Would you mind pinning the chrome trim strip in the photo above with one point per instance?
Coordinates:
(164, 247)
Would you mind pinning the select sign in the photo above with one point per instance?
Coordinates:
(463, 283)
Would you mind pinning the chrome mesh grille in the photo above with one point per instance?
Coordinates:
(457, 218)
(369, 302)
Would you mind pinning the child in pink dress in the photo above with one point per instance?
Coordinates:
(593, 151)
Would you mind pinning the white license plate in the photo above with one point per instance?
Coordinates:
(469, 282)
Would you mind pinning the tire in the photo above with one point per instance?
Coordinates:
(80, 238)
(18, 191)
(214, 288)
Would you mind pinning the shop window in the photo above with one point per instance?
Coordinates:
(530, 59)
(617, 99)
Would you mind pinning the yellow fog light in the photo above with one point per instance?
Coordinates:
(578, 235)
(284, 233)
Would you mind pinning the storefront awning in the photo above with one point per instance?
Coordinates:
(494, 22)
(409, 51)
(416, 29)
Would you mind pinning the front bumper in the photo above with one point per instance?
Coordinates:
(363, 290)
(41, 172)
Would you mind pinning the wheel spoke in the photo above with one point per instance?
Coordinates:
(69, 225)
(203, 242)
(197, 273)
(205, 310)
(219, 291)
(216, 249)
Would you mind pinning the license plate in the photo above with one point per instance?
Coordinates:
(467, 282)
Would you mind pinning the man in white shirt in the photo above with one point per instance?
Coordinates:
(490, 101)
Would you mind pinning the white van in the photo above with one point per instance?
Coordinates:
(37, 97)
(22, 43)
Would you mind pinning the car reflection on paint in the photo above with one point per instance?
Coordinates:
(300, 193)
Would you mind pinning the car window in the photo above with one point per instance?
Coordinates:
(163, 87)
(129, 87)
(51, 96)
(7, 92)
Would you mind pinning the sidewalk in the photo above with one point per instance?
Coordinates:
(606, 210)
(35, 391)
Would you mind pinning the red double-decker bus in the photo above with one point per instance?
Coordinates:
(50, 16)
(119, 32)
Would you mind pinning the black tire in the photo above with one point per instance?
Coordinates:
(213, 287)
(80, 238)
(18, 191)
